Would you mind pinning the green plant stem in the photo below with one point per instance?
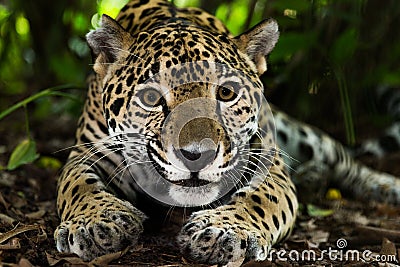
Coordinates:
(28, 132)
(346, 106)
(47, 92)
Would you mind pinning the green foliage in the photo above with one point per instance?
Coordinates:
(49, 163)
(340, 53)
(54, 91)
(185, 3)
(291, 44)
(234, 15)
(109, 7)
(330, 51)
(346, 105)
(315, 211)
(335, 51)
(24, 153)
(22, 27)
(344, 47)
(14, 39)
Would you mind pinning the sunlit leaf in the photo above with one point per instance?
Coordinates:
(95, 21)
(291, 13)
(22, 26)
(80, 22)
(4, 12)
(111, 7)
(49, 163)
(222, 12)
(234, 15)
(238, 16)
(24, 153)
(315, 211)
(185, 3)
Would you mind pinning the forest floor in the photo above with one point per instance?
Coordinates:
(336, 232)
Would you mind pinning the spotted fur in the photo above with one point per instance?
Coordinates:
(152, 60)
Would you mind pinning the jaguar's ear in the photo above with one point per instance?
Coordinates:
(108, 43)
(258, 42)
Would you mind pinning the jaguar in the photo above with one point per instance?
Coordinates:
(175, 116)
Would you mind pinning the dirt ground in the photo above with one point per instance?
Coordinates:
(357, 231)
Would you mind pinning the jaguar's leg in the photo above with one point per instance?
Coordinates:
(254, 220)
(93, 220)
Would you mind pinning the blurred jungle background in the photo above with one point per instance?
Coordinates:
(330, 57)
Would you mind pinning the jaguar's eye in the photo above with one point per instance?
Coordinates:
(150, 97)
(226, 93)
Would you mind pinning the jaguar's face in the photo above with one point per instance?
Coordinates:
(181, 117)
(197, 127)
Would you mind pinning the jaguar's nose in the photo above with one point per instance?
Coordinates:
(196, 161)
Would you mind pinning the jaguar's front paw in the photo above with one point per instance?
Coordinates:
(220, 237)
(100, 229)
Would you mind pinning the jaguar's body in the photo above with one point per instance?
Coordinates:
(175, 110)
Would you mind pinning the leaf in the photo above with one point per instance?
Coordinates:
(234, 15)
(391, 78)
(298, 5)
(388, 247)
(49, 163)
(24, 153)
(344, 46)
(105, 260)
(315, 211)
(71, 260)
(18, 230)
(111, 7)
(290, 43)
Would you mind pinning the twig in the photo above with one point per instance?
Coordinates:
(18, 230)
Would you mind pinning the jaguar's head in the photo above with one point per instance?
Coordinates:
(184, 102)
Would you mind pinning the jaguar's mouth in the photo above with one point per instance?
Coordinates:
(193, 181)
